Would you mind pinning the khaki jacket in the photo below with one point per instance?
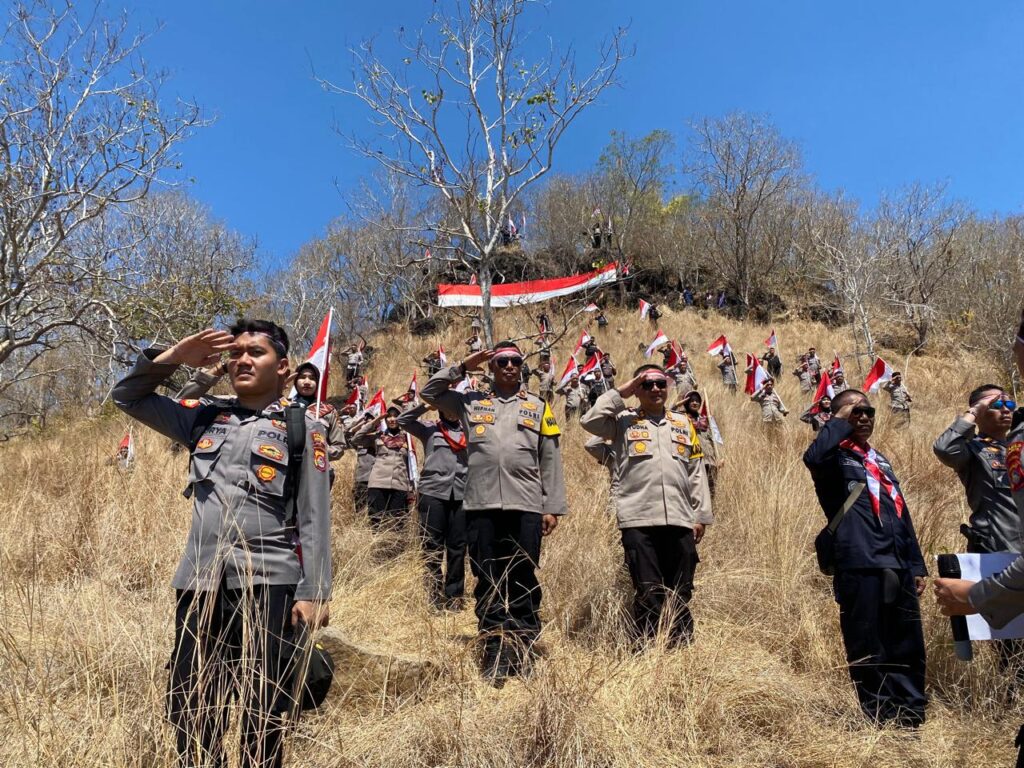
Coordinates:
(390, 453)
(899, 396)
(512, 443)
(772, 407)
(658, 473)
(243, 531)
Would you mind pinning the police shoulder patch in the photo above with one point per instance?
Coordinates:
(189, 402)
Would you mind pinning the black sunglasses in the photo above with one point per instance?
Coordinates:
(864, 410)
(504, 362)
(652, 383)
(1009, 405)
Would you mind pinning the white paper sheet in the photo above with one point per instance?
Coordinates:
(975, 567)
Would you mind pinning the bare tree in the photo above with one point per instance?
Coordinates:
(917, 231)
(467, 117)
(851, 270)
(81, 131)
(746, 174)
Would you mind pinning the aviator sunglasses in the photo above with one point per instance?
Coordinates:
(503, 362)
(1001, 403)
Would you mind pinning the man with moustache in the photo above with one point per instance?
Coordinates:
(514, 496)
(661, 497)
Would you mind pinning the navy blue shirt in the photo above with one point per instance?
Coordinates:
(863, 540)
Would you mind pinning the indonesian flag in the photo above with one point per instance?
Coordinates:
(675, 356)
(512, 226)
(465, 385)
(659, 340)
(571, 368)
(442, 358)
(411, 463)
(756, 375)
(320, 357)
(719, 345)
(837, 364)
(590, 365)
(772, 341)
(645, 309)
(413, 386)
(376, 405)
(353, 398)
(716, 433)
(880, 372)
(126, 450)
(528, 292)
(824, 390)
(591, 307)
(583, 341)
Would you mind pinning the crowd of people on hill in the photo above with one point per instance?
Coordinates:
(255, 577)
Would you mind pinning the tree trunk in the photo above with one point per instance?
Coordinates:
(483, 276)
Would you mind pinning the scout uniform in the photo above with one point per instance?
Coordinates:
(728, 369)
(514, 477)
(546, 384)
(816, 418)
(899, 403)
(241, 564)
(442, 487)
(773, 410)
(803, 374)
(575, 395)
(387, 487)
(660, 491)
(876, 558)
(363, 466)
(980, 463)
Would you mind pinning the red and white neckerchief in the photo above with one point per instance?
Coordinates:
(455, 444)
(876, 479)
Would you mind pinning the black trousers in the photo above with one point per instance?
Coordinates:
(881, 623)
(359, 497)
(504, 552)
(662, 560)
(228, 645)
(443, 534)
(387, 507)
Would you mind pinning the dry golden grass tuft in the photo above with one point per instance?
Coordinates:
(87, 551)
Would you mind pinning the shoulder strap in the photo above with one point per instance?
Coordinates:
(204, 419)
(837, 518)
(295, 420)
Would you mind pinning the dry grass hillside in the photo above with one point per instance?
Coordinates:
(87, 552)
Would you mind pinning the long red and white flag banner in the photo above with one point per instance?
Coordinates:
(529, 292)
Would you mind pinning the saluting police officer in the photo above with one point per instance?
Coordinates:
(975, 446)
(661, 496)
(515, 494)
(441, 490)
(389, 483)
(241, 581)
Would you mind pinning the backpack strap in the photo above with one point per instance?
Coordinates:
(295, 419)
(837, 518)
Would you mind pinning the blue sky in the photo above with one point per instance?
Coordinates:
(877, 94)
